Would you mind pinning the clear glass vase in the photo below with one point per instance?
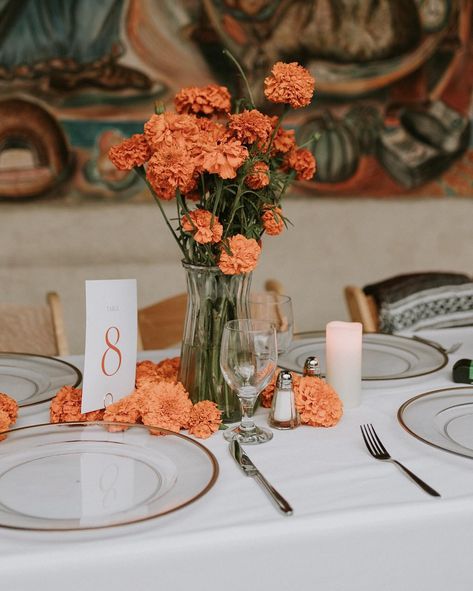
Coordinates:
(213, 299)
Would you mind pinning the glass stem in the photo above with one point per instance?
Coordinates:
(247, 408)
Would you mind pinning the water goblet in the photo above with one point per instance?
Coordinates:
(248, 359)
(277, 309)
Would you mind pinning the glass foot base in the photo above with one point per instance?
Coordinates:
(251, 437)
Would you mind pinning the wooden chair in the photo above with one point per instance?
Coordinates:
(362, 308)
(161, 325)
(33, 329)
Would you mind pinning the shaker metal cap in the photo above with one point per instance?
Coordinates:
(284, 381)
(312, 367)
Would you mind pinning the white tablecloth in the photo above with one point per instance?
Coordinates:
(358, 524)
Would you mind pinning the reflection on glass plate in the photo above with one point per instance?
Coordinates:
(442, 418)
(73, 476)
(32, 379)
(385, 357)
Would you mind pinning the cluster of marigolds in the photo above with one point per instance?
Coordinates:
(161, 401)
(227, 171)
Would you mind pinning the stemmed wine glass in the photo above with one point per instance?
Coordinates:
(248, 358)
(276, 309)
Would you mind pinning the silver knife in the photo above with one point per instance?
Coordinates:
(251, 470)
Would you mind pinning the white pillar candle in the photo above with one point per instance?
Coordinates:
(343, 345)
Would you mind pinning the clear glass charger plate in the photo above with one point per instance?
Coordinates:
(76, 476)
(33, 379)
(384, 357)
(441, 418)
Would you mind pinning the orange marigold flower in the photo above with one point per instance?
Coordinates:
(125, 410)
(170, 169)
(284, 141)
(273, 222)
(317, 402)
(211, 131)
(65, 407)
(243, 258)
(166, 405)
(9, 406)
(205, 418)
(289, 83)
(222, 158)
(302, 161)
(203, 99)
(204, 225)
(171, 130)
(258, 177)
(166, 370)
(250, 126)
(4, 423)
(132, 152)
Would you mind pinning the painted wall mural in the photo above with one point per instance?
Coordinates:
(393, 106)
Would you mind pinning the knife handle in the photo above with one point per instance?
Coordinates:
(280, 501)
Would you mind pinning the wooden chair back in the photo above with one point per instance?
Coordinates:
(34, 329)
(362, 308)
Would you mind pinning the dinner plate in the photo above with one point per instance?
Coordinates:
(75, 476)
(32, 379)
(384, 356)
(442, 418)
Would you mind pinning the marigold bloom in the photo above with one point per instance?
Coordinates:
(289, 83)
(205, 418)
(205, 100)
(9, 406)
(125, 410)
(171, 130)
(244, 255)
(258, 177)
(148, 371)
(222, 158)
(284, 141)
(132, 152)
(250, 126)
(317, 403)
(170, 169)
(302, 161)
(65, 407)
(166, 405)
(4, 423)
(273, 222)
(205, 226)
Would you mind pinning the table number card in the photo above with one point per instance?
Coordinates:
(110, 342)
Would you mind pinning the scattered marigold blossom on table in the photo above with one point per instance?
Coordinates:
(317, 402)
(205, 419)
(9, 406)
(65, 407)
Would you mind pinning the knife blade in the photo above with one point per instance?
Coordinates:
(251, 470)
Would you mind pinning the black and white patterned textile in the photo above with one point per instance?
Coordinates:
(440, 307)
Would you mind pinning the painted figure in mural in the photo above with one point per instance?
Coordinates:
(73, 43)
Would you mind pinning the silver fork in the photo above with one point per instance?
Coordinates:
(447, 350)
(379, 452)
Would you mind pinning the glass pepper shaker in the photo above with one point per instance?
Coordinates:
(312, 367)
(283, 414)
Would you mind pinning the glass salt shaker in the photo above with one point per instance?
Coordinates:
(312, 367)
(283, 414)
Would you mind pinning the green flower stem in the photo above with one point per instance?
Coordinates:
(240, 69)
(140, 171)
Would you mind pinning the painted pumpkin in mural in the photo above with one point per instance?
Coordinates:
(336, 150)
(34, 154)
(366, 123)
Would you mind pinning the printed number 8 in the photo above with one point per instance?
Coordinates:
(112, 347)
